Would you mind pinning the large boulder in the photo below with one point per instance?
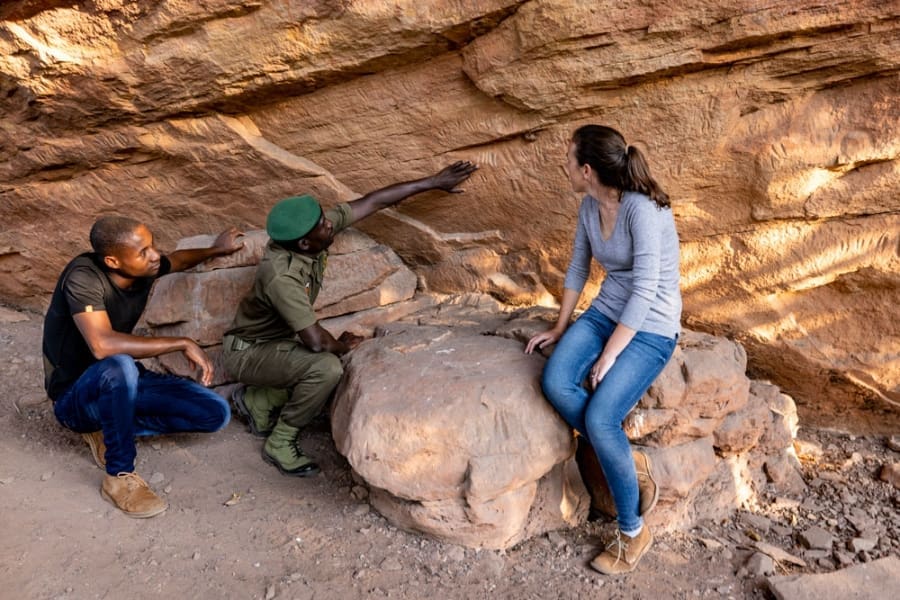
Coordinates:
(451, 432)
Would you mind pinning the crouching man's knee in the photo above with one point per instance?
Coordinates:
(328, 370)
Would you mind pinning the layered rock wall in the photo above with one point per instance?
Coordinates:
(772, 126)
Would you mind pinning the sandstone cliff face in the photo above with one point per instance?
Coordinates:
(772, 125)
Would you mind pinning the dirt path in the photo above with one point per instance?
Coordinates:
(288, 538)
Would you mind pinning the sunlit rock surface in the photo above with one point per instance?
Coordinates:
(773, 128)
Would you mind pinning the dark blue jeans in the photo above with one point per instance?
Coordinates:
(599, 414)
(125, 400)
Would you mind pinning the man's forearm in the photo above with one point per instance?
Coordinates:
(136, 346)
(185, 259)
(388, 196)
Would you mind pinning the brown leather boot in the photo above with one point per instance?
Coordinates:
(98, 448)
(649, 491)
(623, 553)
(131, 494)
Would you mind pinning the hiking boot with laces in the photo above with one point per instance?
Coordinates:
(623, 553)
(649, 491)
(258, 408)
(94, 441)
(131, 494)
(283, 450)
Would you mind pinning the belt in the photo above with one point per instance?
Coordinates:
(237, 344)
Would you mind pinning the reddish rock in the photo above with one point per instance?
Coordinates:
(450, 430)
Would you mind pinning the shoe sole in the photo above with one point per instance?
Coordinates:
(238, 401)
(655, 486)
(134, 515)
(307, 470)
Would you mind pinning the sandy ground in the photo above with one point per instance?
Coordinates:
(283, 537)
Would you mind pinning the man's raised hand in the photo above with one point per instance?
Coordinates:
(449, 177)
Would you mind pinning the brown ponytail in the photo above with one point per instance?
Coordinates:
(617, 164)
(640, 180)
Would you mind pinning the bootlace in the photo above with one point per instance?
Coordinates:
(620, 545)
(295, 448)
(133, 480)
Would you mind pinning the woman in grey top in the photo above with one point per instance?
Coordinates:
(626, 337)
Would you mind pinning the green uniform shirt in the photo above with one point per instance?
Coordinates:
(280, 303)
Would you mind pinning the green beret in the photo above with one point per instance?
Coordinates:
(292, 218)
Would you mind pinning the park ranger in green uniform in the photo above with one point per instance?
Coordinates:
(275, 344)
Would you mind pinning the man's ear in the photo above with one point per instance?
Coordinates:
(111, 261)
(303, 244)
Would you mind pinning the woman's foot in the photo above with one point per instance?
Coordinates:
(623, 553)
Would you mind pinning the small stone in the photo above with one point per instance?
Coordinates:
(456, 554)
(156, 445)
(757, 522)
(782, 530)
(847, 497)
(359, 492)
(893, 443)
(46, 476)
(157, 478)
(391, 564)
(862, 544)
(167, 489)
(842, 558)
(855, 459)
(891, 474)
(826, 563)
(710, 543)
(270, 592)
(557, 540)
(808, 450)
(760, 564)
(195, 556)
(816, 538)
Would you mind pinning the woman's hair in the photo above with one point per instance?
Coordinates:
(616, 163)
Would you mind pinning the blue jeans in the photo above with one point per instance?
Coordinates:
(125, 400)
(598, 415)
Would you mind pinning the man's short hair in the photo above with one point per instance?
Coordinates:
(110, 233)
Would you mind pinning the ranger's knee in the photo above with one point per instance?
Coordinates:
(329, 369)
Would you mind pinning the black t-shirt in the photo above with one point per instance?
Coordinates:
(85, 286)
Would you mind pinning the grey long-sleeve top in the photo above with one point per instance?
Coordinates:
(641, 262)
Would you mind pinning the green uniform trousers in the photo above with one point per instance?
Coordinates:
(295, 376)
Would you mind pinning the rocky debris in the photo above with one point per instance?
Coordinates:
(844, 517)
(876, 580)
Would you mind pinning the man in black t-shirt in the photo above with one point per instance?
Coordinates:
(90, 372)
